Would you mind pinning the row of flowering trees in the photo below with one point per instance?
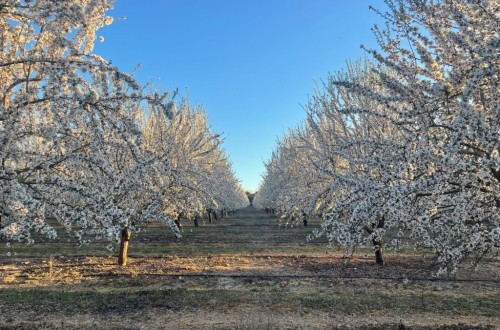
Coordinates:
(406, 141)
(200, 175)
(85, 144)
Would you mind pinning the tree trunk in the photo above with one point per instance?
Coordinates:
(209, 216)
(178, 224)
(195, 221)
(380, 223)
(379, 260)
(122, 258)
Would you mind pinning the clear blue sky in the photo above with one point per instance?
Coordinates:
(250, 63)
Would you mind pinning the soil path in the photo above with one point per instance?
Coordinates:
(244, 271)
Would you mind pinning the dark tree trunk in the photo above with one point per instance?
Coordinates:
(379, 260)
(196, 221)
(377, 241)
(209, 216)
(178, 224)
(122, 258)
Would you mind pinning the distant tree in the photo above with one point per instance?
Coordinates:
(199, 173)
(250, 196)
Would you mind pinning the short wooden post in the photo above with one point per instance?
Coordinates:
(122, 258)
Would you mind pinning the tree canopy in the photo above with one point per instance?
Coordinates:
(406, 141)
(85, 144)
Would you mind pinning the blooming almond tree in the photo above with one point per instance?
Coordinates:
(226, 192)
(446, 93)
(359, 147)
(199, 175)
(70, 143)
(442, 94)
(347, 153)
(413, 143)
(294, 184)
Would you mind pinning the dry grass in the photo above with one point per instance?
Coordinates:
(243, 272)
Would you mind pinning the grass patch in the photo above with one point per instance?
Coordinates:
(237, 263)
(120, 300)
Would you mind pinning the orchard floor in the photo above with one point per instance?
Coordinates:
(244, 271)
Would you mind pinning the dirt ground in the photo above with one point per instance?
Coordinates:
(242, 272)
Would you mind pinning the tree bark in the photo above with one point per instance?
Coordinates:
(122, 258)
(209, 216)
(178, 224)
(379, 259)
